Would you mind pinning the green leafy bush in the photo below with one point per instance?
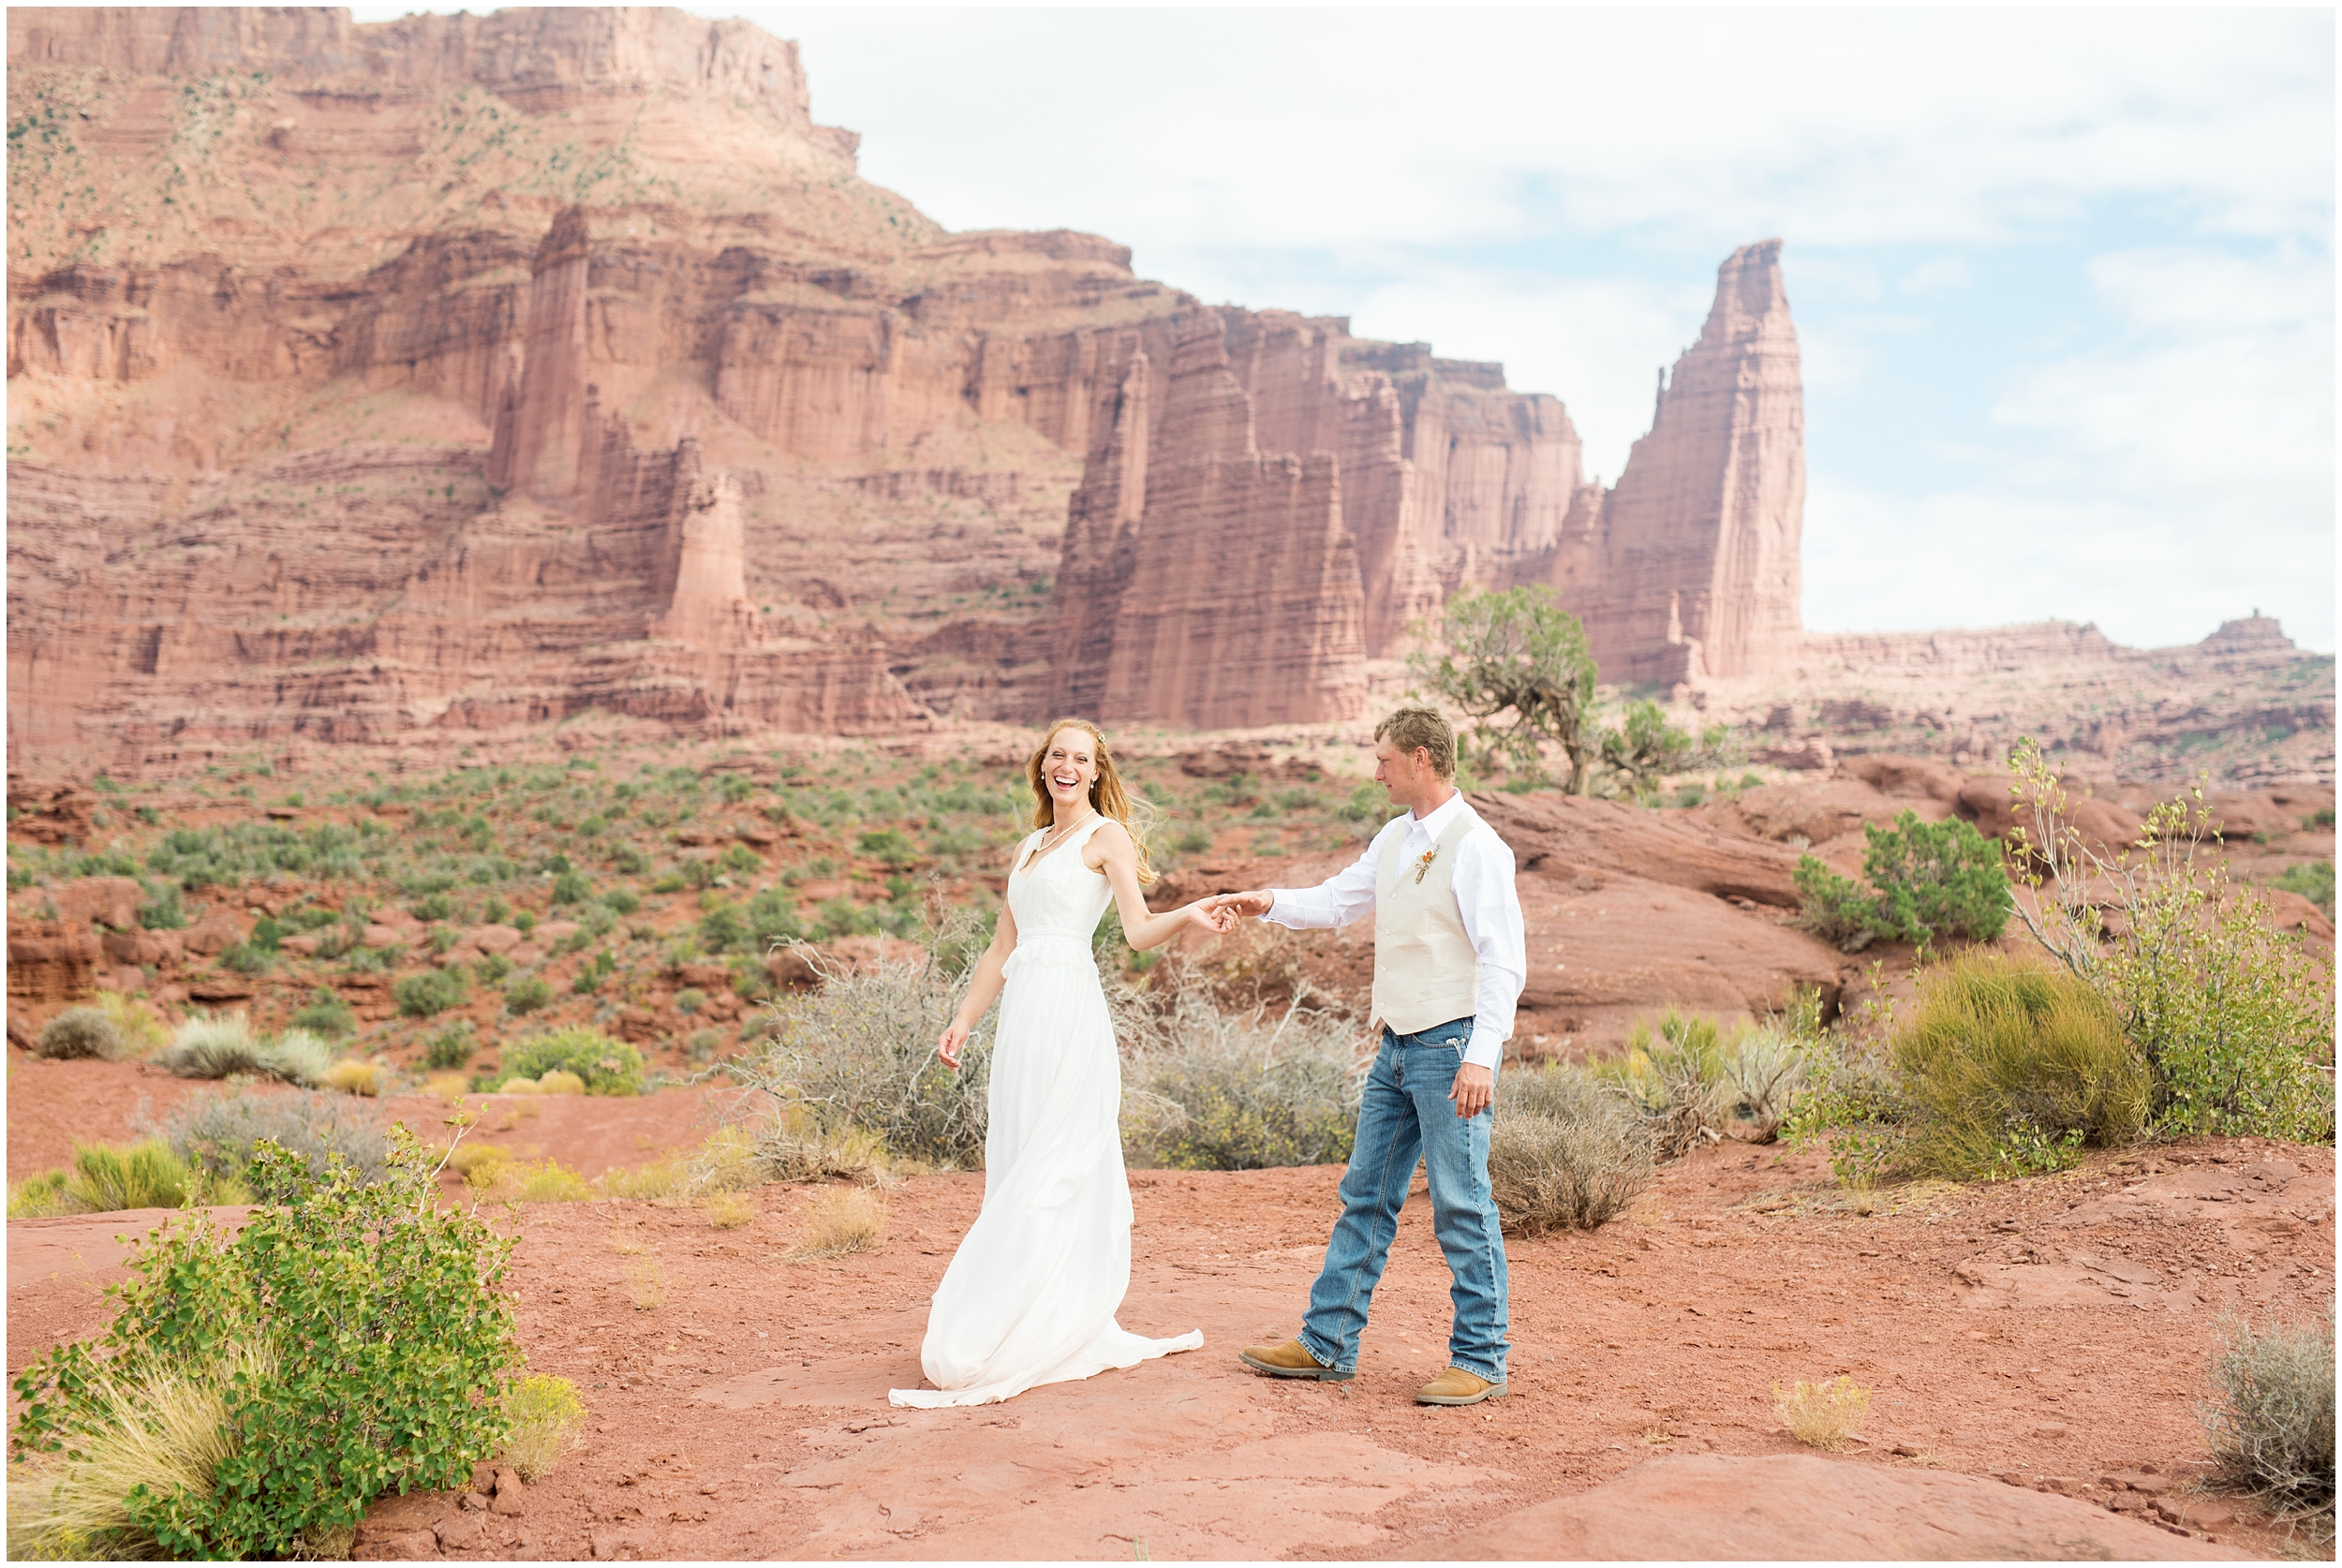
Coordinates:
(432, 993)
(432, 906)
(571, 887)
(2011, 1068)
(79, 1031)
(449, 1049)
(619, 900)
(247, 958)
(2313, 881)
(326, 1014)
(608, 1066)
(1928, 881)
(690, 999)
(352, 1341)
(217, 1134)
(526, 995)
(2270, 1420)
(2231, 1016)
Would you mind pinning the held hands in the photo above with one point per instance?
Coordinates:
(1209, 915)
(1243, 905)
(1474, 1088)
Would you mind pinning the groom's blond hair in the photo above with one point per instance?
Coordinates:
(1409, 728)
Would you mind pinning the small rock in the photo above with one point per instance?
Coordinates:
(393, 1546)
(1904, 1450)
(508, 1492)
(473, 1502)
(2050, 1429)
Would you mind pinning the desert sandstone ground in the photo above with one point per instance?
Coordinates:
(2025, 1343)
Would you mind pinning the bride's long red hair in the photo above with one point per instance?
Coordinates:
(1108, 796)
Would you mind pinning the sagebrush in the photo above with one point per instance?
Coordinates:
(222, 1134)
(1565, 1151)
(2271, 1419)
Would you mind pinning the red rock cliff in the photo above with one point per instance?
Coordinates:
(367, 380)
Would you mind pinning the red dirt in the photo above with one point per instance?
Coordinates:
(2051, 1330)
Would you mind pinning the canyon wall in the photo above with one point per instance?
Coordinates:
(410, 380)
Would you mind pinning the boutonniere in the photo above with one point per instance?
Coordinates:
(1423, 863)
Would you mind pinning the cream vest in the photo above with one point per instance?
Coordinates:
(1425, 969)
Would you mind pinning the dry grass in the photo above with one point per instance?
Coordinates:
(729, 1211)
(547, 1181)
(355, 1077)
(477, 1163)
(167, 1433)
(625, 1244)
(842, 1221)
(143, 1033)
(558, 1081)
(548, 1419)
(2272, 1422)
(726, 1162)
(1564, 1152)
(1823, 1416)
(519, 1085)
(647, 1284)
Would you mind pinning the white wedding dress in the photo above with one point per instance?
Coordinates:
(1030, 1295)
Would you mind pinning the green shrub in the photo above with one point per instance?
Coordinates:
(2270, 1420)
(162, 909)
(1675, 1077)
(1565, 1152)
(2233, 1017)
(2313, 881)
(608, 1066)
(620, 901)
(742, 861)
(1928, 881)
(843, 917)
(141, 1033)
(887, 846)
(267, 935)
(433, 907)
(79, 1031)
(772, 919)
(690, 999)
(326, 1014)
(1217, 1091)
(526, 995)
(571, 887)
(432, 993)
(217, 1134)
(449, 1049)
(247, 959)
(353, 1341)
(2013, 1068)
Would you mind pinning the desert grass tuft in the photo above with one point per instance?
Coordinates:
(544, 1181)
(2013, 1068)
(143, 1033)
(81, 1031)
(355, 1077)
(557, 1082)
(1823, 1416)
(2270, 1422)
(168, 1433)
(647, 1284)
(842, 1221)
(728, 1211)
(547, 1420)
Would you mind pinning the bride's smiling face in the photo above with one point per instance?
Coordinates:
(1070, 767)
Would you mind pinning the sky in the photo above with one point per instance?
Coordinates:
(2063, 280)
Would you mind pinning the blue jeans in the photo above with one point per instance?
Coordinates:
(1405, 1113)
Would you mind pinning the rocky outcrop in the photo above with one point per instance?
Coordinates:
(1690, 567)
(619, 390)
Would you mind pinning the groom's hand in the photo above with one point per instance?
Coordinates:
(1250, 904)
(1475, 1086)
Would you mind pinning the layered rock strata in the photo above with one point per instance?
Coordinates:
(382, 381)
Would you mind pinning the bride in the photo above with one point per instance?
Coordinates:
(1030, 1295)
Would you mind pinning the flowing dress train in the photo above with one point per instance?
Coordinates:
(1030, 1295)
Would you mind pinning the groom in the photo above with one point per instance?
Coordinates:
(1449, 968)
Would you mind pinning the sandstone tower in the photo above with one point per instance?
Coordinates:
(1690, 565)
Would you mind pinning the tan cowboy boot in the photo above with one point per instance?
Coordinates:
(1290, 1360)
(1456, 1386)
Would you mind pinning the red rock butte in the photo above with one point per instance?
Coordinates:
(424, 378)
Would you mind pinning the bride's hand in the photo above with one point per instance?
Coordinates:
(1208, 913)
(953, 1042)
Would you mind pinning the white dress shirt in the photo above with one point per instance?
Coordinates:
(1482, 879)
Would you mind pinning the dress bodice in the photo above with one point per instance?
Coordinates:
(1057, 900)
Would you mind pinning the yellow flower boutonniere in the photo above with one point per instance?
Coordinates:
(1423, 864)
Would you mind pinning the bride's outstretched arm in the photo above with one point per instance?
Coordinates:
(1119, 860)
(982, 991)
